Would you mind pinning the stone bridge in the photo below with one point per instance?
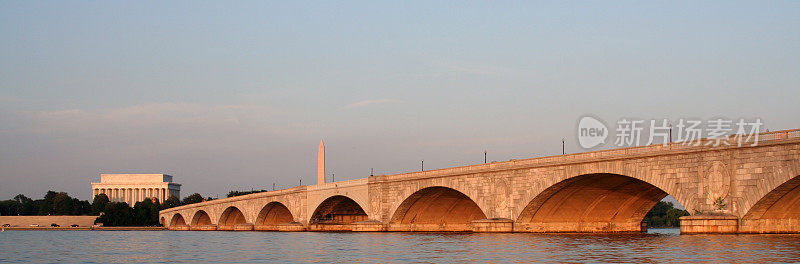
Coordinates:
(752, 188)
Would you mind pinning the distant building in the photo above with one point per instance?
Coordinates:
(132, 188)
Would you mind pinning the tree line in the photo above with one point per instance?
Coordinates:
(664, 214)
(143, 213)
(240, 193)
(53, 203)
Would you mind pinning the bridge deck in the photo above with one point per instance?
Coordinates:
(507, 190)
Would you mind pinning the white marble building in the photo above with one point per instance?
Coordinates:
(132, 188)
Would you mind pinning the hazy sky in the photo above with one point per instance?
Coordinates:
(233, 96)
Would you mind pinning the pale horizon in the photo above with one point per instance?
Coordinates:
(237, 96)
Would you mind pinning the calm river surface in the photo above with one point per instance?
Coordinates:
(280, 247)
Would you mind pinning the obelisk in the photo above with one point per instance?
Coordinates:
(321, 163)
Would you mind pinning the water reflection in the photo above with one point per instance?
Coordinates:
(271, 247)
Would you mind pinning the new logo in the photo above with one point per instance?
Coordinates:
(591, 132)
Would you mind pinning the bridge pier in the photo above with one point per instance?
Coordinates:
(770, 226)
(494, 225)
(369, 226)
(266, 228)
(237, 227)
(179, 228)
(330, 227)
(709, 224)
(291, 227)
(580, 227)
(243, 227)
(203, 228)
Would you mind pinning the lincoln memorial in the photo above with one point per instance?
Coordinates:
(132, 188)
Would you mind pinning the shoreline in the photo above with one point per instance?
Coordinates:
(86, 228)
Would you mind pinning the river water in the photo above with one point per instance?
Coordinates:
(664, 245)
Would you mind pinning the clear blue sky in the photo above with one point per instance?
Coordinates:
(237, 95)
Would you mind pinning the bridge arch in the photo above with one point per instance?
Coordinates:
(780, 182)
(464, 187)
(436, 208)
(777, 211)
(595, 202)
(338, 210)
(273, 214)
(177, 220)
(201, 218)
(230, 217)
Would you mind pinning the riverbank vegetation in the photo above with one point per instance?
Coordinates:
(53, 203)
(664, 214)
(144, 213)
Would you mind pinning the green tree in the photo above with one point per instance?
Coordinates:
(22, 199)
(673, 216)
(155, 206)
(664, 214)
(172, 201)
(99, 203)
(145, 213)
(62, 204)
(240, 193)
(34, 207)
(46, 207)
(81, 207)
(116, 214)
(10, 207)
(29, 206)
(193, 198)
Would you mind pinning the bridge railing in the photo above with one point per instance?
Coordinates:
(339, 184)
(704, 143)
(239, 198)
